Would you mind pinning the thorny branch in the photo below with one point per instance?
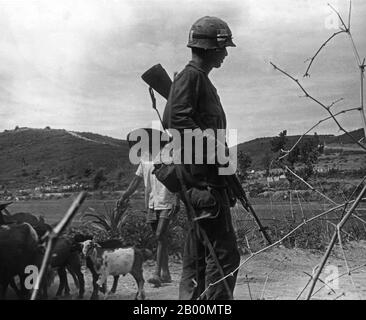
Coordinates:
(310, 186)
(340, 276)
(278, 242)
(307, 74)
(334, 239)
(287, 152)
(319, 103)
(269, 274)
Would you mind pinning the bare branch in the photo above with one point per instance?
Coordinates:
(309, 185)
(349, 15)
(319, 103)
(342, 250)
(339, 16)
(335, 102)
(322, 281)
(312, 128)
(272, 245)
(334, 238)
(341, 295)
(303, 289)
(250, 292)
(307, 74)
(341, 275)
(269, 274)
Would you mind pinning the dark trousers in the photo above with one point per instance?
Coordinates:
(197, 256)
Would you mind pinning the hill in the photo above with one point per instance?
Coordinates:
(34, 156)
(259, 148)
(345, 139)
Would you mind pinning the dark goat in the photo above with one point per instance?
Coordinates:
(19, 248)
(38, 224)
(65, 254)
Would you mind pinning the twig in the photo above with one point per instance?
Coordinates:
(268, 275)
(246, 240)
(250, 292)
(335, 102)
(340, 18)
(341, 295)
(319, 103)
(340, 276)
(342, 250)
(349, 15)
(335, 226)
(306, 74)
(309, 185)
(272, 245)
(334, 238)
(287, 152)
(322, 281)
(358, 218)
(303, 289)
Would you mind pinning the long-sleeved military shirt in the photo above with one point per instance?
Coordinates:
(194, 103)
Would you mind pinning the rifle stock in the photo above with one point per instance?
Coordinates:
(158, 79)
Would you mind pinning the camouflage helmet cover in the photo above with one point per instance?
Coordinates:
(210, 33)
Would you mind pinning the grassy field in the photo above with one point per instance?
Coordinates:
(267, 210)
(53, 210)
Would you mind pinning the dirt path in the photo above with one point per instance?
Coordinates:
(286, 278)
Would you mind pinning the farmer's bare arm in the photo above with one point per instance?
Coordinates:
(134, 184)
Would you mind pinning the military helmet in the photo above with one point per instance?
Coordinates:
(210, 33)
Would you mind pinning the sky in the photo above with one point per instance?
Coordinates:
(76, 64)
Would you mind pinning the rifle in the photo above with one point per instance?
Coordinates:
(158, 79)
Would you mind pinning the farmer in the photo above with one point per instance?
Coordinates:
(161, 206)
(194, 103)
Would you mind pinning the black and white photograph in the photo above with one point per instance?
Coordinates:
(168, 153)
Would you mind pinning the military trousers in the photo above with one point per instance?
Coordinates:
(199, 266)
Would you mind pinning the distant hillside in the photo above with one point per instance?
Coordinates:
(31, 156)
(258, 148)
(345, 139)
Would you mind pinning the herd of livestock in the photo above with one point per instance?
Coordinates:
(22, 237)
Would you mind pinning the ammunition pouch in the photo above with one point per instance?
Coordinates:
(167, 175)
(205, 202)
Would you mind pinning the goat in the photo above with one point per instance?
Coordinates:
(64, 254)
(116, 262)
(19, 248)
(38, 224)
(107, 244)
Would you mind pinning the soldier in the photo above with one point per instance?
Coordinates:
(194, 103)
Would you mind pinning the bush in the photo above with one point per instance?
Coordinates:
(256, 188)
(136, 232)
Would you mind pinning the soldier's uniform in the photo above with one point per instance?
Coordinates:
(194, 103)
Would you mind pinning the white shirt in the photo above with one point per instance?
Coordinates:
(157, 196)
